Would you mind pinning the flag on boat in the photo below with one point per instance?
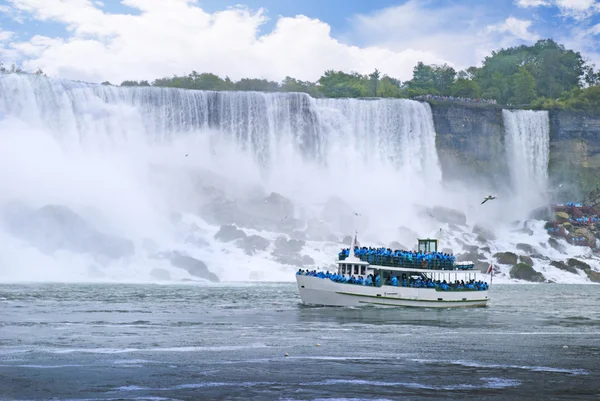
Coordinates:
(489, 271)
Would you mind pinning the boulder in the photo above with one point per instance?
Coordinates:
(556, 245)
(586, 233)
(526, 259)
(284, 246)
(578, 264)
(526, 248)
(563, 266)
(485, 249)
(506, 258)
(469, 257)
(593, 276)
(541, 213)
(483, 234)
(193, 266)
(561, 217)
(252, 243)
(481, 266)
(228, 233)
(445, 215)
(523, 271)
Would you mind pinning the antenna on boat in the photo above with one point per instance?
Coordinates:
(353, 244)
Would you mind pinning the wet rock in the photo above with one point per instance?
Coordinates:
(526, 248)
(483, 234)
(228, 233)
(561, 217)
(285, 247)
(445, 215)
(56, 227)
(193, 266)
(563, 266)
(586, 233)
(556, 245)
(523, 271)
(578, 264)
(469, 257)
(506, 258)
(541, 213)
(160, 274)
(252, 244)
(526, 259)
(594, 276)
(482, 266)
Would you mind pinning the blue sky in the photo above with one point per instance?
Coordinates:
(114, 39)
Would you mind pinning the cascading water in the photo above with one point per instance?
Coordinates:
(528, 149)
(118, 183)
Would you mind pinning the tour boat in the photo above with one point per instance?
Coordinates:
(422, 278)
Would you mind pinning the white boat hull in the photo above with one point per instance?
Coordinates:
(325, 292)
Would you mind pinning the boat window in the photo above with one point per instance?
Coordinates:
(355, 269)
(362, 270)
(344, 269)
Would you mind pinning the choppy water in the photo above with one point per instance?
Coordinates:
(228, 342)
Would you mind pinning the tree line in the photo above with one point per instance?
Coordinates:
(544, 75)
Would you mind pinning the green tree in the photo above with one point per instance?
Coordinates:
(373, 82)
(389, 87)
(341, 84)
(464, 87)
(523, 87)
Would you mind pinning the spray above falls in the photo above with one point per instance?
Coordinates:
(121, 183)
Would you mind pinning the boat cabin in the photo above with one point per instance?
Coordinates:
(428, 245)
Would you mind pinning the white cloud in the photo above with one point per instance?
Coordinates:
(532, 3)
(516, 27)
(457, 34)
(178, 36)
(576, 9)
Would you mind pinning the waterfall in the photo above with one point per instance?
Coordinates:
(129, 159)
(528, 147)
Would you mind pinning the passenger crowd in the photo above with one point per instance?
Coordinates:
(455, 99)
(375, 281)
(409, 259)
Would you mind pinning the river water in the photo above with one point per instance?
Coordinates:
(192, 342)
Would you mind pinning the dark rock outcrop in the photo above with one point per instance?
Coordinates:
(252, 244)
(483, 234)
(526, 248)
(193, 266)
(523, 271)
(228, 233)
(526, 259)
(563, 266)
(506, 258)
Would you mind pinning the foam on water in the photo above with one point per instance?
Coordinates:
(117, 158)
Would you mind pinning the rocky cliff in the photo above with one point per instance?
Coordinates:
(470, 140)
(574, 152)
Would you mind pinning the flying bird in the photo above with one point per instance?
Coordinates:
(358, 214)
(488, 198)
(186, 155)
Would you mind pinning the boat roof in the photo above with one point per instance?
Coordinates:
(408, 269)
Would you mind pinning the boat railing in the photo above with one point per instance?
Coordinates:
(396, 261)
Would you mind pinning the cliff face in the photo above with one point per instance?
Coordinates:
(470, 140)
(575, 151)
